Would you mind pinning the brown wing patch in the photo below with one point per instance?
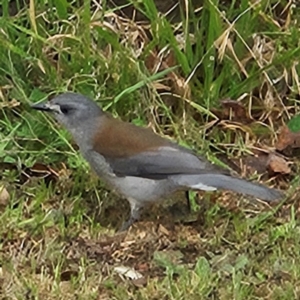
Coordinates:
(119, 139)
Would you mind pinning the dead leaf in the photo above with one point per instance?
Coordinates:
(4, 196)
(277, 164)
(234, 110)
(287, 139)
(257, 163)
(128, 272)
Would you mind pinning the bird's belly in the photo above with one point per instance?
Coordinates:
(141, 189)
(130, 187)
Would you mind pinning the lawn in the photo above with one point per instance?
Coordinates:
(219, 77)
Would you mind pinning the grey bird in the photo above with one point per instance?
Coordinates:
(140, 165)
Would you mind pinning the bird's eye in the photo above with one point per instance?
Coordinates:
(65, 110)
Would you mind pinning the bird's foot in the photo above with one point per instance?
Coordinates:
(126, 224)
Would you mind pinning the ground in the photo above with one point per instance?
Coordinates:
(223, 82)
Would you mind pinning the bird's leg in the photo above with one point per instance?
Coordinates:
(135, 213)
(188, 200)
(126, 224)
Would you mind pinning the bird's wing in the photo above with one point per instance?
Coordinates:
(162, 163)
(136, 151)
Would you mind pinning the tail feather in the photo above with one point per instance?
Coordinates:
(220, 181)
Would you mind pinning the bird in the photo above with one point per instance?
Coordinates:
(137, 163)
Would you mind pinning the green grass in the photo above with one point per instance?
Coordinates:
(57, 229)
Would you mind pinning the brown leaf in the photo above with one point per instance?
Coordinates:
(287, 139)
(277, 164)
(234, 109)
(257, 163)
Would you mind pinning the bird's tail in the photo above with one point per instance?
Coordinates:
(210, 182)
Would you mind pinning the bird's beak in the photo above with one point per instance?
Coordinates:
(46, 106)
